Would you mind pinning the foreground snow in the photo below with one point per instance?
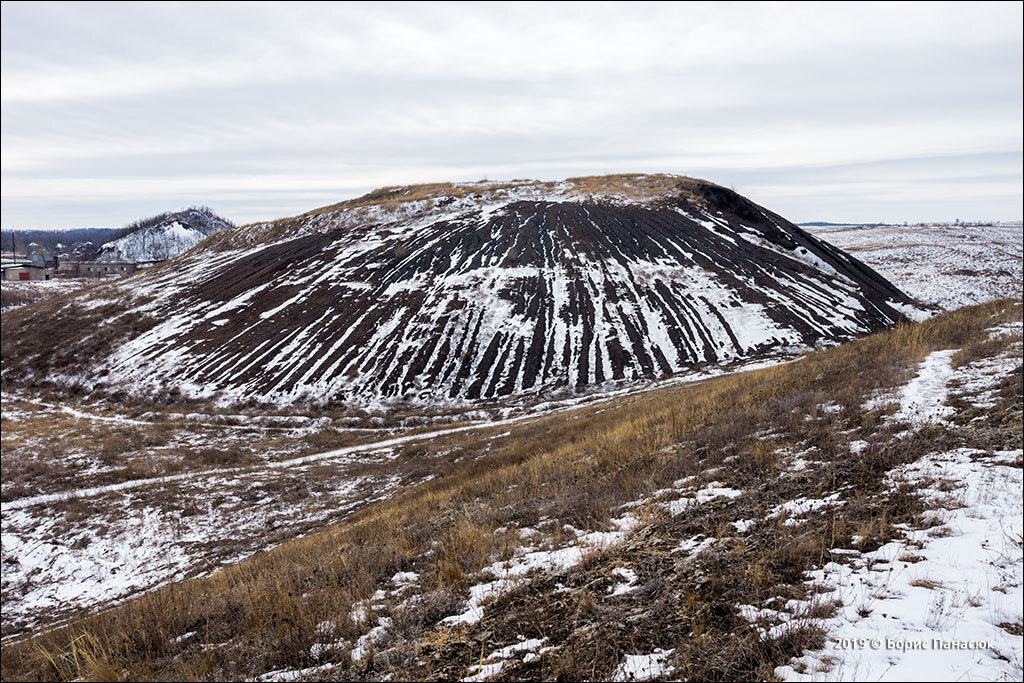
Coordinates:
(938, 604)
(943, 602)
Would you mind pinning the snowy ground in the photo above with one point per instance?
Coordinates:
(67, 554)
(194, 492)
(17, 293)
(939, 604)
(70, 449)
(946, 265)
(946, 601)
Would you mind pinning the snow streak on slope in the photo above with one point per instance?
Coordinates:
(505, 298)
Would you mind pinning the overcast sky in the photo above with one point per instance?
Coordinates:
(819, 112)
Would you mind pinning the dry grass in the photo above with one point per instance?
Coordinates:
(29, 349)
(263, 614)
(10, 297)
(17, 293)
(638, 186)
(983, 348)
(634, 185)
(49, 451)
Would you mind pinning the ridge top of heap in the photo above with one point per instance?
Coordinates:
(424, 200)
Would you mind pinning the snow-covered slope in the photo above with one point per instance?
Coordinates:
(163, 237)
(483, 292)
(942, 264)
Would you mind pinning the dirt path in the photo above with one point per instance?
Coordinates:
(336, 453)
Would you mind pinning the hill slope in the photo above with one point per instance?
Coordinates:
(477, 291)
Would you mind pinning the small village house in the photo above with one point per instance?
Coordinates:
(97, 269)
(22, 270)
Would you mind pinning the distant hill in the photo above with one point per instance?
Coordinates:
(827, 224)
(163, 236)
(157, 238)
(80, 242)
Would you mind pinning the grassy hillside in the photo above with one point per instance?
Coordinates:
(631, 512)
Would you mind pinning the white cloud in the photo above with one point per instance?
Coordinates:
(122, 109)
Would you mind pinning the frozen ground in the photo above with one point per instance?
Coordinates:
(946, 265)
(945, 601)
(942, 602)
(68, 545)
(66, 554)
(16, 294)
